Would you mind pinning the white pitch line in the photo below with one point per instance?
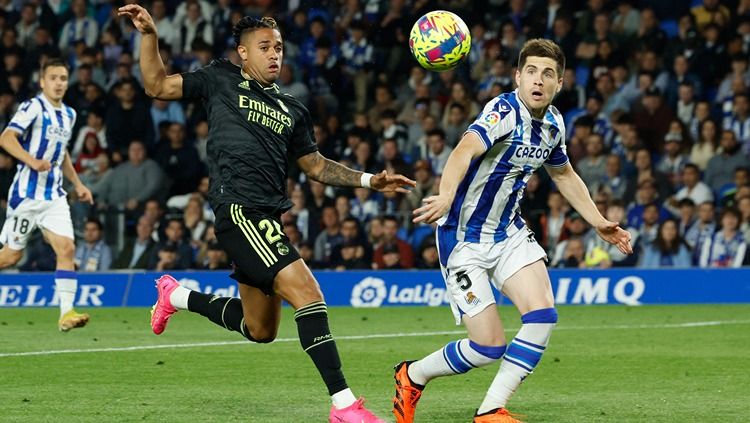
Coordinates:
(371, 336)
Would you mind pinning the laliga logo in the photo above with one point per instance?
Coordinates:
(191, 284)
(369, 292)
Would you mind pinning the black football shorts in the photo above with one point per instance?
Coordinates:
(255, 243)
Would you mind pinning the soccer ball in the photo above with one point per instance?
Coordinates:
(439, 40)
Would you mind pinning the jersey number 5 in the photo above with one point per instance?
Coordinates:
(463, 280)
(272, 228)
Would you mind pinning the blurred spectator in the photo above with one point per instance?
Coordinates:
(173, 252)
(454, 125)
(128, 118)
(592, 168)
(575, 227)
(216, 258)
(739, 72)
(668, 249)
(707, 13)
(392, 129)
(343, 208)
(645, 171)
(693, 188)
(363, 206)
(94, 125)
(649, 227)
(87, 159)
(358, 55)
(390, 242)
(93, 254)
(702, 230)
(330, 236)
(166, 111)
(130, 183)
(438, 152)
(626, 20)
(316, 202)
(652, 119)
(727, 197)
(425, 184)
(165, 26)
(727, 247)
(353, 252)
(289, 83)
(192, 28)
(179, 161)
(194, 220)
(613, 182)
(739, 121)
(674, 159)
(720, 169)
(137, 251)
(324, 78)
(79, 27)
(551, 223)
(686, 214)
(428, 254)
(201, 193)
(743, 205)
(706, 144)
(27, 24)
(300, 212)
(383, 101)
(573, 254)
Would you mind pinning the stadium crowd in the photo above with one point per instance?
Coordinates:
(655, 99)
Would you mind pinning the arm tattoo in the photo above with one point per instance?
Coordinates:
(334, 173)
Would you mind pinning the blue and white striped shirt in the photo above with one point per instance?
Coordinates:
(45, 132)
(486, 206)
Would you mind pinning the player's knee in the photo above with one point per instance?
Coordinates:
(543, 315)
(304, 291)
(66, 249)
(262, 336)
(9, 257)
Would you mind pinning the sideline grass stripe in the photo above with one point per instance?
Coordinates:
(371, 336)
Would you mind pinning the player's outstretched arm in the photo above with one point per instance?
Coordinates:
(155, 80)
(9, 142)
(328, 172)
(83, 193)
(574, 190)
(455, 169)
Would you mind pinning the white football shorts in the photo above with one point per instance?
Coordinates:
(472, 268)
(20, 222)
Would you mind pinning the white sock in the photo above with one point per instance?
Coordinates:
(343, 399)
(521, 358)
(66, 284)
(179, 297)
(456, 357)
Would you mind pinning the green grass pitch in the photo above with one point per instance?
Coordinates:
(604, 364)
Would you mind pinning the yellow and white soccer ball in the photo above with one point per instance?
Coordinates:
(440, 40)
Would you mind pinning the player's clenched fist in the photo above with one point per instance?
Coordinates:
(141, 19)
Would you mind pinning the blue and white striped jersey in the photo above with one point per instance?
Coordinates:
(486, 205)
(44, 132)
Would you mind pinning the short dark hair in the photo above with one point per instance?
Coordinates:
(436, 132)
(96, 222)
(249, 24)
(542, 48)
(692, 166)
(54, 62)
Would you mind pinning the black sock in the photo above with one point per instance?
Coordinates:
(224, 311)
(318, 343)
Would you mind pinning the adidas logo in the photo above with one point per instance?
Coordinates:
(244, 84)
